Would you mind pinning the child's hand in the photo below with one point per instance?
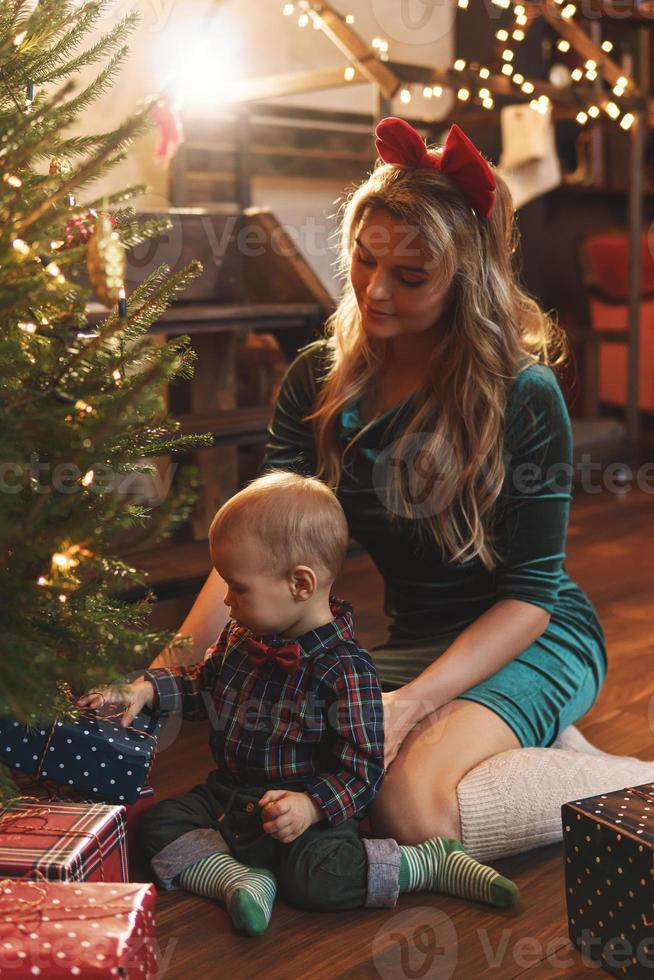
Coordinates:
(288, 814)
(133, 697)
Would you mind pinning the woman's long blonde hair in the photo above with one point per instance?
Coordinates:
(493, 330)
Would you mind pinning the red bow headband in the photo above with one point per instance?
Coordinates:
(398, 142)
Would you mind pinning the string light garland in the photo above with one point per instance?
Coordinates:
(509, 36)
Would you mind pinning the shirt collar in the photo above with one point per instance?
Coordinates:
(338, 630)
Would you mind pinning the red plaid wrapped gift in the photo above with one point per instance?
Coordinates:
(84, 930)
(44, 789)
(64, 841)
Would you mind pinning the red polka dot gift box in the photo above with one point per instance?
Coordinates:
(609, 879)
(85, 931)
(64, 841)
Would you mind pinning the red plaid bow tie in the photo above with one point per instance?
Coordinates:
(287, 656)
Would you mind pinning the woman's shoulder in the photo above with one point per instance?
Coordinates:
(536, 406)
(536, 384)
(306, 370)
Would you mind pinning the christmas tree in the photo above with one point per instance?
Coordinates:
(80, 406)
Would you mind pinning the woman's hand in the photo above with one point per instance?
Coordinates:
(287, 814)
(133, 697)
(401, 715)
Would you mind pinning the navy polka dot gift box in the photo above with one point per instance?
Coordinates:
(92, 754)
(609, 879)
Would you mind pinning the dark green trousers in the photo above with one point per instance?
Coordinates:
(325, 868)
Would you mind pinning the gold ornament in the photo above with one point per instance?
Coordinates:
(60, 167)
(105, 262)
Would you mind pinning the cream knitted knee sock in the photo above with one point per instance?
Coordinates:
(512, 802)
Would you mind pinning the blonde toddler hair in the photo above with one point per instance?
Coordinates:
(297, 520)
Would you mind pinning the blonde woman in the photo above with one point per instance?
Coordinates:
(432, 408)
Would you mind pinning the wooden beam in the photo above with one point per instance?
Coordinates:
(293, 83)
(586, 48)
(353, 47)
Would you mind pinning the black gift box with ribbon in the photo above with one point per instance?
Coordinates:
(609, 879)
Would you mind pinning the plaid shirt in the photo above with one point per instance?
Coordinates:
(317, 730)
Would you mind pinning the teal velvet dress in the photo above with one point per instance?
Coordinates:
(430, 599)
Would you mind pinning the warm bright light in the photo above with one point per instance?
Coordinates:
(463, 94)
(607, 46)
(507, 69)
(569, 11)
(502, 35)
(518, 78)
(576, 74)
(459, 64)
(518, 35)
(582, 118)
(612, 110)
(303, 20)
(28, 326)
(591, 75)
(349, 73)
(627, 120)
(21, 246)
(563, 45)
(488, 103)
(507, 55)
(593, 111)
(527, 88)
(349, 19)
(427, 92)
(484, 93)
(87, 479)
(199, 55)
(437, 90)
(405, 96)
(484, 72)
(463, 4)
(288, 9)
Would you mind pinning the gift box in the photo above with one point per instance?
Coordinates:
(609, 879)
(43, 789)
(84, 931)
(64, 841)
(93, 754)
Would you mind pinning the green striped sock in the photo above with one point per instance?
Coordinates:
(441, 865)
(248, 893)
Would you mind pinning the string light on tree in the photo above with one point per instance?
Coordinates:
(463, 94)
(405, 96)
(627, 120)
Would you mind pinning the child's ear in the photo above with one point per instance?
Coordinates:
(303, 582)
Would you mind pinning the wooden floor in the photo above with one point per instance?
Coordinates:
(610, 548)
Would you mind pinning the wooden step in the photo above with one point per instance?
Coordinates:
(245, 426)
(224, 317)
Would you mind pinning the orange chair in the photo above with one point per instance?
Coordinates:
(604, 264)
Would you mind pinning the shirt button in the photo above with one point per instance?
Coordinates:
(249, 807)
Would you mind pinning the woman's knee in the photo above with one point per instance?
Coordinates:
(411, 812)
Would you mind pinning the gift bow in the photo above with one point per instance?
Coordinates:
(398, 142)
(287, 656)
